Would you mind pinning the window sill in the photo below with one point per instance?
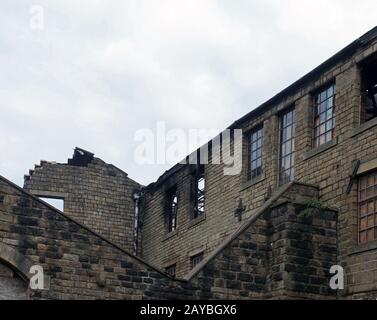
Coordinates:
(196, 221)
(365, 247)
(248, 184)
(364, 127)
(170, 235)
(314, 152)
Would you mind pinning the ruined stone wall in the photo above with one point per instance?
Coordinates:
(329, 167)
(80, 264)
(97, 194)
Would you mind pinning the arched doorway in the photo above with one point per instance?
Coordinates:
(14, 273)
(12, 286)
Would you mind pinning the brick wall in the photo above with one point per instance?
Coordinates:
(95, 193)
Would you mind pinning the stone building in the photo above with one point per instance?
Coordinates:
(304, 201)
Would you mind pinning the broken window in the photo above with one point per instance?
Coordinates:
(200, 186)
(55, 202)
(324, 116)
(256, 153)
(171, 270)
(287, 146)
(172, 205)
(368, 208)
(195, 260)
(369, 91)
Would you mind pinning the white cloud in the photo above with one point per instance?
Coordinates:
(102, 69)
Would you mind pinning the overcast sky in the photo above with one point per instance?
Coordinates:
(100, 70)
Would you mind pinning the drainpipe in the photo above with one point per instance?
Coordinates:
(137, 196)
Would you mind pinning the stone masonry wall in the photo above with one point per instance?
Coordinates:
(83, 265)
(328, 167)
(98, 195)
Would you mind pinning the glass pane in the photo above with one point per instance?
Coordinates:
(363, 237)
(370, 235)
(328, 136)
(370, 207)
(370, 223)
(363, 224)
(329, 114)
(363, 210)
(323, 96)
(330, 91)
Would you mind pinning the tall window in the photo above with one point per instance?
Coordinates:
(324, 116)
(369, 92)
(200, 186)
(256, 153)
(287, 146)
(368, 208)
(195, 260)
(172, 204)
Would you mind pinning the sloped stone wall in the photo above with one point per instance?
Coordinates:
(264, 261)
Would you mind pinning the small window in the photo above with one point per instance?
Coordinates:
(255, 154)
(200, 187)
(56, 203)
(195, 260)
(287, 146)
(171, 270)
(172, 206)
(369, 92)
(324, 116)
(368, 208)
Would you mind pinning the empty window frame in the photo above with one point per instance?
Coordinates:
(200, 188)
(196, 259)
(172, 206)
(55, 202)
(324, 116)
(287, 146)
(368, 208)
(255, 153)
(171, 270)
(369, 91)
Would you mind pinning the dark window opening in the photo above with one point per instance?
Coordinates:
(195, 260)
(287, 147)
(255, 154)
(369, 92)
(368, 208)
(172, 206)
(200, 186)
(324, 116)
(171, 270)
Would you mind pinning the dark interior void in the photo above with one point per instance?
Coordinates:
(369, 91)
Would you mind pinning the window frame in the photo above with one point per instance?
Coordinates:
(317, 102)
(199, 195)
(171, 267)
(364, 202)
(196, 259)
(370, 62)
(292, 141)
(172, 209)
(250, 160)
